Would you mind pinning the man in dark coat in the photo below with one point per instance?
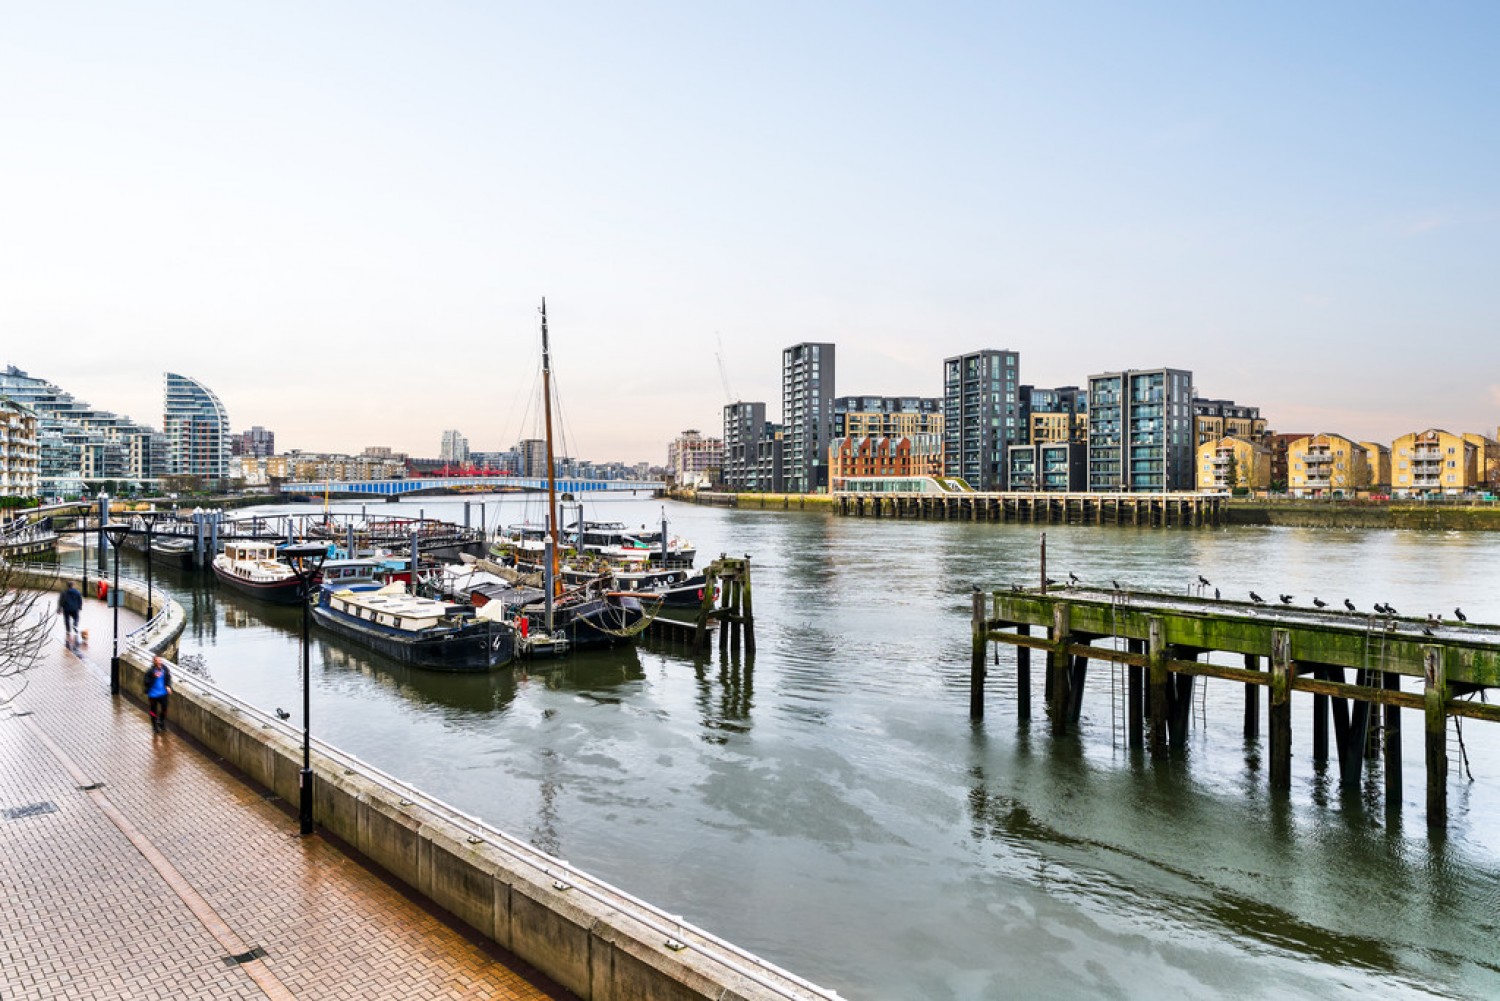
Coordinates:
(69, 604)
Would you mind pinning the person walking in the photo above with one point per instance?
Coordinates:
(69, 604)
(158, 691)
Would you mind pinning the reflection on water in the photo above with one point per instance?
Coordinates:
(827, 803)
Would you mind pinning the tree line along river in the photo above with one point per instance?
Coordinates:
(827, 804)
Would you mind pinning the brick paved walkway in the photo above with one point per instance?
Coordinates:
(145, 886)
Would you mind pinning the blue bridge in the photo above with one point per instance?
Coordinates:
(467, 484)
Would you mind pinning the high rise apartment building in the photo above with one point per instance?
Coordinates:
(1141, 431)
(745, 426)
(694, 459)
(981, 415)
(197, 429)
(255, 443)
(78, 443)
(19, 452)
(533, 456)
(807, 381)
(454, 449)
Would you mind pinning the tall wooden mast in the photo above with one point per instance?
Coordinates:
(551, 464)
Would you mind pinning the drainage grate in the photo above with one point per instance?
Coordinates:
(245, 957)
(29, 810)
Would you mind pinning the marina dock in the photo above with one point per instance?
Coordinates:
(1163, 643)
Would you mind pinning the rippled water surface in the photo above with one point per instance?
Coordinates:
(828, 805)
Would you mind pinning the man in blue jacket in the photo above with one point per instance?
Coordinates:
(158, 691)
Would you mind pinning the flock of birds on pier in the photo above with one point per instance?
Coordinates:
(1381, 608)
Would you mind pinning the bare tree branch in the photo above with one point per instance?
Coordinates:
(25, 622)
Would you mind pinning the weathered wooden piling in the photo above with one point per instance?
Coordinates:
(727, 581)
(976, 661)
(1135, 695)
(1156, 652)
(1170, 640)
(1391, 682)
(1023, 675)
(1433, 696)
(1252, 700)
(1280, 721)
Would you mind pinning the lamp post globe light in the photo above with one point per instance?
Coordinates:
(306, 559)
(149, 520)
(117, 534)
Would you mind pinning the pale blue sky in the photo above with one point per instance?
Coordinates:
(340, 217)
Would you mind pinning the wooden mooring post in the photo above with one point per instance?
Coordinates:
(1169, 641)
(726, 581)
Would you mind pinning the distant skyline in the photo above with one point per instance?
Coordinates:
(341, 217)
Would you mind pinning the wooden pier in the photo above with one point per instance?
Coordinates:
(1164, 642)
(1154, 510)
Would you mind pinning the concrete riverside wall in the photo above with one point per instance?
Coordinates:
(584, 934)
(1356, 514)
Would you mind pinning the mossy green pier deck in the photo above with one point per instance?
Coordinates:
(1165, 642)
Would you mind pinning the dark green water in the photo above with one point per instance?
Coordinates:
(829, 806)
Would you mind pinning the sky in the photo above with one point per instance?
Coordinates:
(342, 217)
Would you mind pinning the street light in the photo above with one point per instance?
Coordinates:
(306, 559)
(149, 518)
(117, 534)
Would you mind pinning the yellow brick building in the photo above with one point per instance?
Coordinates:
(1213, 427)
(1231, 462)
(1320, 465)
(1488, 459)
(1434, 461)
(1378, 457)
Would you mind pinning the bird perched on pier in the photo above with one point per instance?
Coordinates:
(1117, 585)
(1319, 603)
(1203, 580)
(1390, 609)
(1017, 588)
(1350, 605)
(1382, 609)
(1216, 594)
(1427, 631)
(1050, 582)
(1433, 621)
(1286, 599)
(282, 713)
(1072, 578)
(1257, 598)
(1458, 613)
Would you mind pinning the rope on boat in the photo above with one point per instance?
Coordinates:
(647, 615)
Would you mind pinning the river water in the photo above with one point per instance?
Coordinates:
(829, 806)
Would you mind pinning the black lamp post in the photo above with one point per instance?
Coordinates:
(306, 558)
(84, 521)
(117, 534)
(149, 519)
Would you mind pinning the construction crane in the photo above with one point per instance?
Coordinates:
(723, 372)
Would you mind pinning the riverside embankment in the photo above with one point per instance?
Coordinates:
(1432, 516)
(1285, 513)
(586, 935)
